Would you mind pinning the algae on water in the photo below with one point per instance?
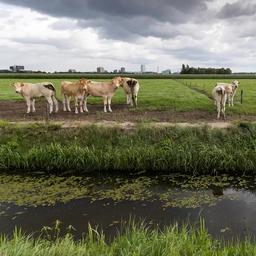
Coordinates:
(171, 191)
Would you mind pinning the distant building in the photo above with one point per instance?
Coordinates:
(100, 70)
(17, 68)
(122, 70)
(143, 68)
(166, 72)
(71, 71)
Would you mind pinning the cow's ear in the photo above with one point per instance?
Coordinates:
(22, 84)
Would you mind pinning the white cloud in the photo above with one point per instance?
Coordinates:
(43, 42)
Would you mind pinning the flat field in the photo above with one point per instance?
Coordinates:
(159, 100)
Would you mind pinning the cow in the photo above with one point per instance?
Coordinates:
(220, 96)
(31, 91)
(106, 90)
(76, 90)
(131, 88)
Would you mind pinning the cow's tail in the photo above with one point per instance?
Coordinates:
(51, 87)
(221, 91)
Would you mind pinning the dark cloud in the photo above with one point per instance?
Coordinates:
(237, 9)
(123, 19)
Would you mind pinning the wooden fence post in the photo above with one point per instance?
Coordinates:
(242, 94)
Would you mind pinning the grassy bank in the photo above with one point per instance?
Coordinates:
(187, 150)
(137, 241)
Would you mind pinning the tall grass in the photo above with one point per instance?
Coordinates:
(82, 150)
(136, 241)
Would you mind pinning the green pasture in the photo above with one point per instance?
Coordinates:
(248, 86)
(162, 94)
(155, 94)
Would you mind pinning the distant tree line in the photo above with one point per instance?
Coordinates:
(186, 69)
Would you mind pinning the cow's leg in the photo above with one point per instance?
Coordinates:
(218, 109)
(50, 102)
(109, 104)
(81, 104)
(135, 99)
(64, 102)
(85, 103)
(223, 107)
(33, 105)
(56, 104)
(28, 104)
(223, 110)
(76, 104)
(229, 99)
(128, 99)
(105, 100)
(68, 103)
(232, 100)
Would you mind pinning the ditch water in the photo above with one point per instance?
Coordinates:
(227, 204)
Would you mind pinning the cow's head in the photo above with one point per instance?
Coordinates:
(235, 84)
(18, 87)
(118, 81)
(85, 83)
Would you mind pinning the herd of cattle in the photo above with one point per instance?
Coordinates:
(80, 90)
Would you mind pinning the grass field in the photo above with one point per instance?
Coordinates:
(136, 241)
(154, 94)
(247, 85)
(161, 94)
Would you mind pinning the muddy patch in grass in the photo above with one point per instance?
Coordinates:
(15, 111)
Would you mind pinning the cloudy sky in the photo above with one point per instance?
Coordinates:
(83, 34)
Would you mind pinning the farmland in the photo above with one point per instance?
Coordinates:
(160, 100)
(56, 168)
(185, 100)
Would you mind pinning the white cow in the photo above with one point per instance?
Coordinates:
(220, 96)
(31, 91)
(230, 91)
(131, 88)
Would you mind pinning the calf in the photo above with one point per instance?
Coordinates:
(106, 90)
(220, 96)
(75, 90)
(31, 91)
(131, 88)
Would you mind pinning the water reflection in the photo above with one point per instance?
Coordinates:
(227, 204)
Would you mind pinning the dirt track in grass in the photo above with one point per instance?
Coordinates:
(14, 111)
